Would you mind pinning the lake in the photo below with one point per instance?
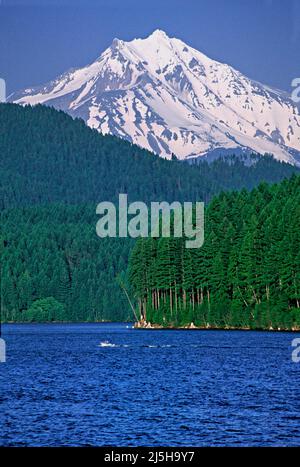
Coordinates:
(147, 388)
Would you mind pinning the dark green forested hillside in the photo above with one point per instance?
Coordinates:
(247, 274)
(54, 253)
(53, 172)
(46, 157)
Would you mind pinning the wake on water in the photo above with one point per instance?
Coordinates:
(109, 344)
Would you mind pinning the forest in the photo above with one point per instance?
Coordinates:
(54, 171)
(47, 157)
(55, 268)
(246, 275)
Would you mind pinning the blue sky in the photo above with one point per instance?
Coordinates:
(40, 39)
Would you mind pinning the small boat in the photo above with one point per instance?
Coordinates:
(106, 344)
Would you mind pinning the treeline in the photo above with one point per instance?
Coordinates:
(47, 157)
(55, 268)
(246, 275)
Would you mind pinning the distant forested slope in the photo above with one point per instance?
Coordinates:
(246, 275)
(54, 252)
(47, 157)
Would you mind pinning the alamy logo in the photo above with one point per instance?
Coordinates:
(296, 351)
(296, 92)
(166, 219)
(2, 90)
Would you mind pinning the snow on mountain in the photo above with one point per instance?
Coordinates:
(170, 98)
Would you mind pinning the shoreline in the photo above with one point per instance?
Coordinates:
(144, 326)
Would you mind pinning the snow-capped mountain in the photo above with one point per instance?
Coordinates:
(170, 98)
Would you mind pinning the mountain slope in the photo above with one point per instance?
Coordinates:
(47, 157)
(170, 98)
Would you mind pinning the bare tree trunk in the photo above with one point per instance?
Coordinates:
(184, 298)
(268, 292)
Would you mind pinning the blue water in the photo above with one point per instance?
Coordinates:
(168, 388)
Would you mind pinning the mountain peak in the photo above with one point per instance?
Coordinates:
(159, 33)
(166, 96)
(158, 38)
